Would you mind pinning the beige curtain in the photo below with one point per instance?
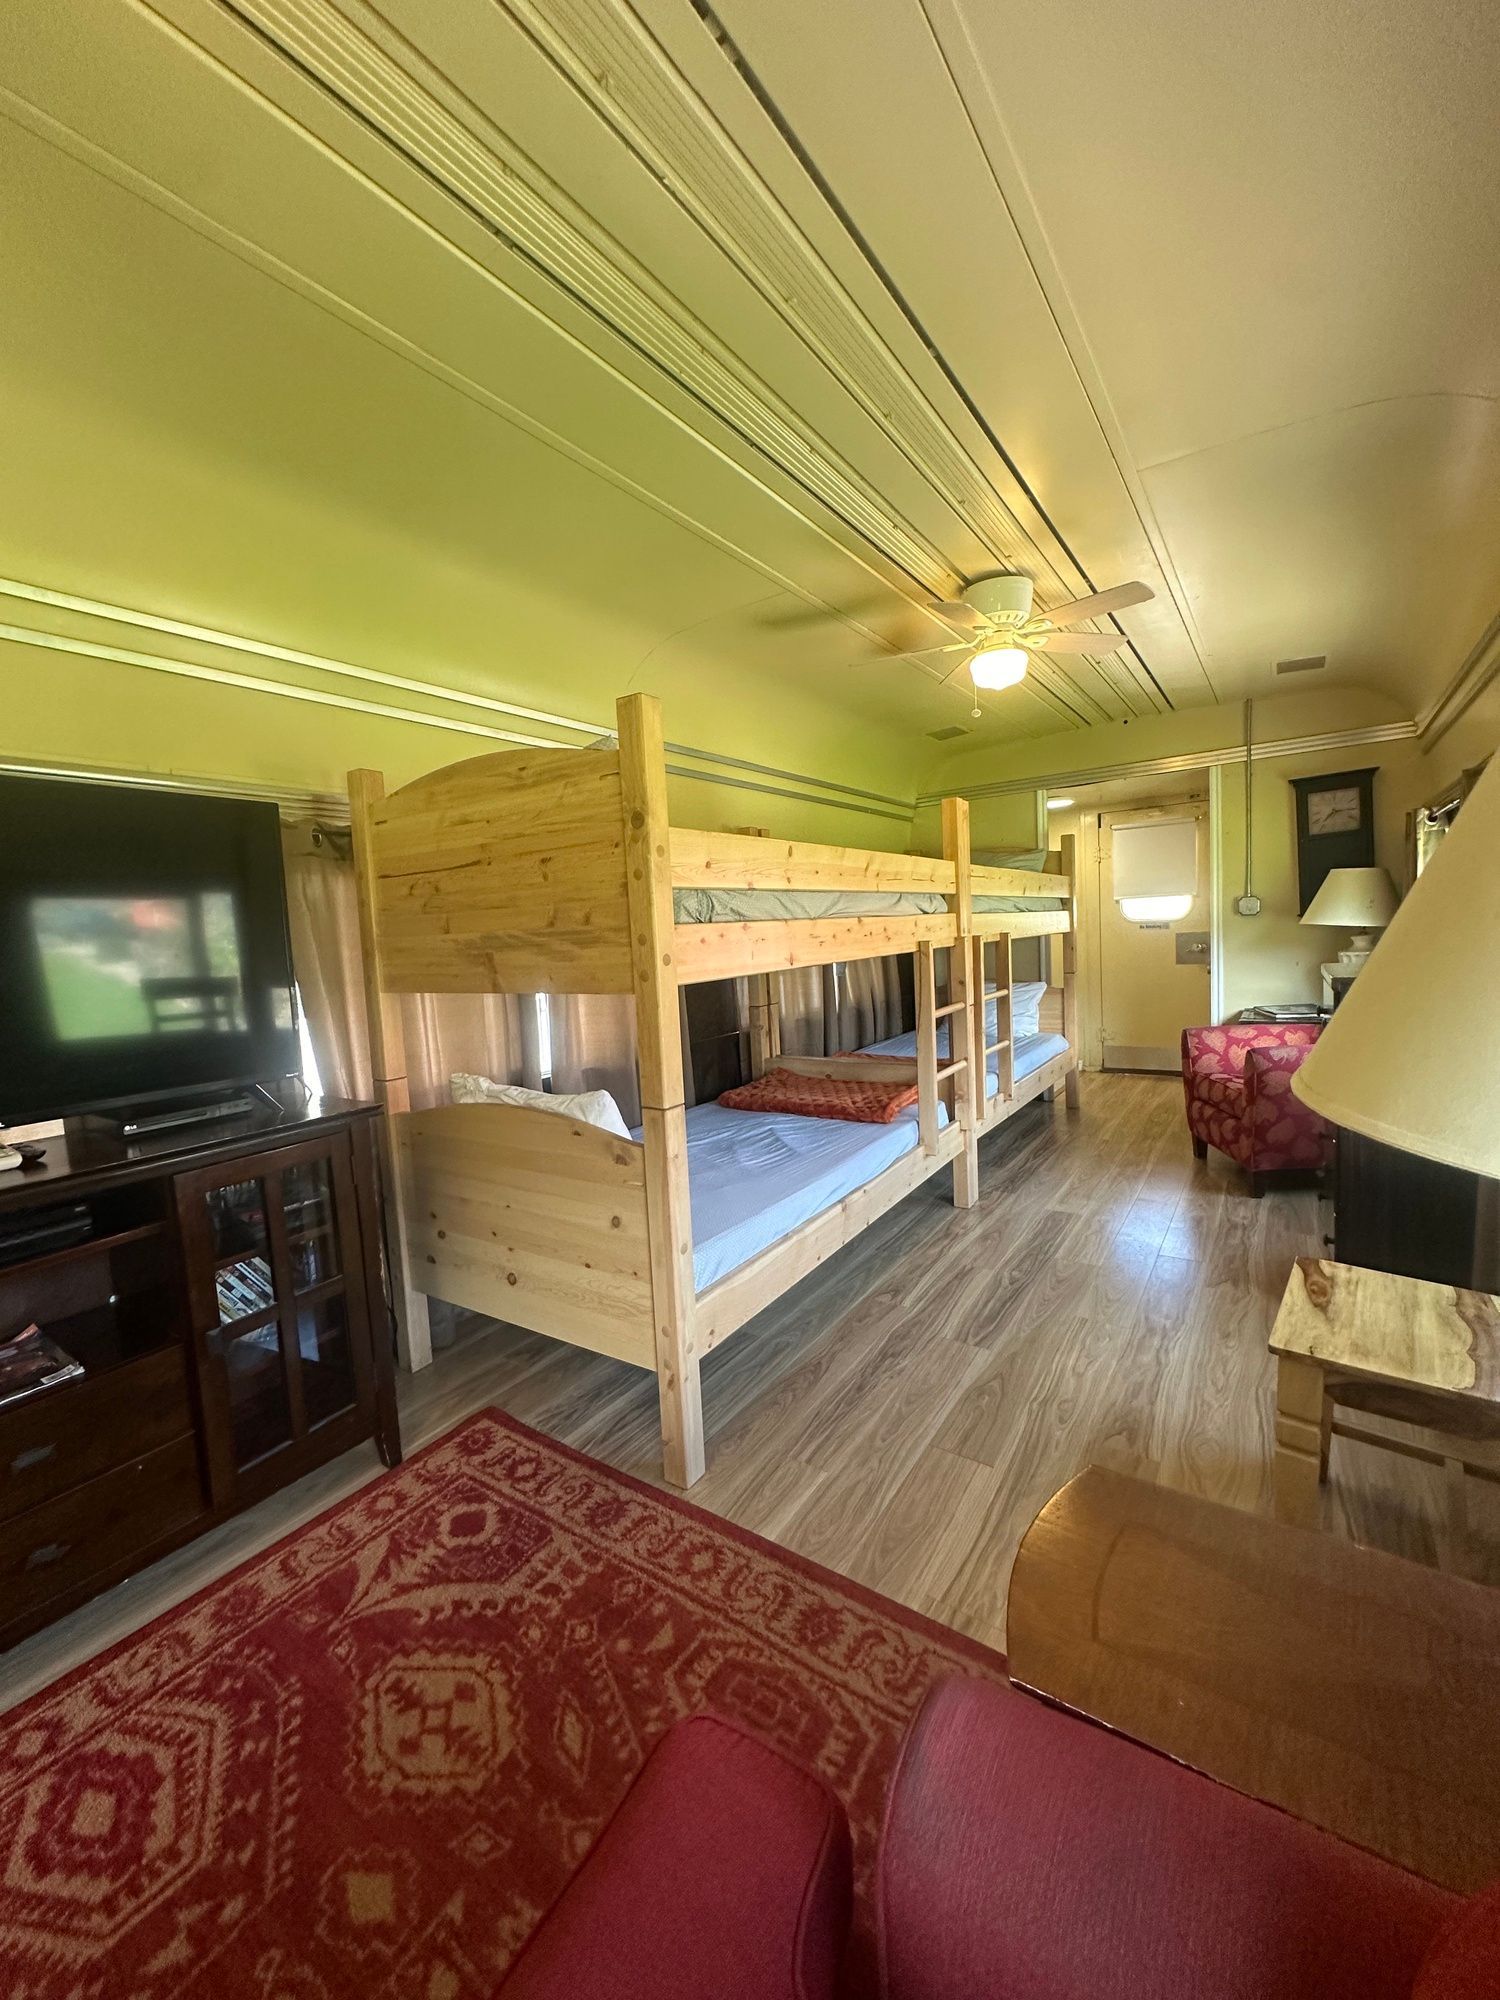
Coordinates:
(325, 955)
(491, 1034)
(593, 1047)
(807, 1003)
(869, 1001)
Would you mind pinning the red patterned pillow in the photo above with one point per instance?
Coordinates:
(823, 1097)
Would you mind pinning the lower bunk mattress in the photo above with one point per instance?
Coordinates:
(1031, 1051)
(755, 1176)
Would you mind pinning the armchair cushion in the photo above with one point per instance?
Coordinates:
(724, 1875)
(1237, 1084)
(1463, 1960)
(1031, 1855)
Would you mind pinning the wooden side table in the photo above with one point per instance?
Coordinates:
(1395, 1347)
(1349, 1687)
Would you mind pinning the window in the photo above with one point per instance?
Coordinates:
(1155, 865)
(1154, 909)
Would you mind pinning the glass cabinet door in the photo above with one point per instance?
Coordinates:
(247, 1331)
(276, 1283)
(325, 1353)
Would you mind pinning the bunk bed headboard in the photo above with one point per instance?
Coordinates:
(501, 874)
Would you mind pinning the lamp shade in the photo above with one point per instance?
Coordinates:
(1412, 1057)
(1354, 899)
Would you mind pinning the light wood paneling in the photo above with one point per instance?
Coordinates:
(725, 951)
(505, 874)
(491, 1193)
(853, 1069)
(1020, 923)
(1016, 882)
(905, 1412)
(748, 861)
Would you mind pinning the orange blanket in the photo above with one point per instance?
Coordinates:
(823, 1097)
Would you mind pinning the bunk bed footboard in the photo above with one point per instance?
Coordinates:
(532, 1218)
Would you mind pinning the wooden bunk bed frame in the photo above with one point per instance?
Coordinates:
(553, 871)
(1000, 930)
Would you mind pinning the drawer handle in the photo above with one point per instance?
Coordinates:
(49, 1552)
(38, 1455)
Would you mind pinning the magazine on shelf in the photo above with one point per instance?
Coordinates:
(30, 1361)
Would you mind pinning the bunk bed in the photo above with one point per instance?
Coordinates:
(559, 872)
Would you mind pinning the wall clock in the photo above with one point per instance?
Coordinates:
(1335, 827)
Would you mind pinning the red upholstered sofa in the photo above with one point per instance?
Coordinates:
(1238, 1085)
(1026, 1855)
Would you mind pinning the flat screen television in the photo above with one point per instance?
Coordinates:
(143, 948)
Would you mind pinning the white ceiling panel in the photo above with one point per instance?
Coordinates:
(719, 347)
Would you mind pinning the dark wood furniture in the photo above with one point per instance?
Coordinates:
(226, 1300)
(1395, 1211)
(1341, 1684)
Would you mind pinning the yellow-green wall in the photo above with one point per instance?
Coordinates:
(62, 709)
(1272, 956)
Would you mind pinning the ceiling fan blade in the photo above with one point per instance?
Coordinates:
(952, 675)
(958, 611)
(1101, 603)
(1081, 642)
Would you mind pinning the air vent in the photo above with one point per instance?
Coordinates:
(1308, 666)
(947, 735)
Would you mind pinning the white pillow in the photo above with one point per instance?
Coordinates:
(1025, 1010)
(1026, 1006)
(589, 1107)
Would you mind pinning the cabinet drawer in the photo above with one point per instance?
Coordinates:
(79, 1430)
(52, 1549)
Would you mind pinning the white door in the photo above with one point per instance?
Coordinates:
(1152, 970)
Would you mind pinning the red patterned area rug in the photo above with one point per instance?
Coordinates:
(366, 1761)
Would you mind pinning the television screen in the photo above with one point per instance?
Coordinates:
(143, 947)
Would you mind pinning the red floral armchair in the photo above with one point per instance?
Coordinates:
(1238, 1086)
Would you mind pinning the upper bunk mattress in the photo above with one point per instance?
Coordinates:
(755, 1176)
(766, 906)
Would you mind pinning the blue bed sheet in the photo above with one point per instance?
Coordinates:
(755, 1176)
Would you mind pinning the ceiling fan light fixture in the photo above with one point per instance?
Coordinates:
(998, 667)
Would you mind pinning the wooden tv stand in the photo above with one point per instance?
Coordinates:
(228, 1307)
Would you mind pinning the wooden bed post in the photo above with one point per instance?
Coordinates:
(388, 1068)
(669, 1221)
(1068, 847)
(765, 1021)
(963, 1044)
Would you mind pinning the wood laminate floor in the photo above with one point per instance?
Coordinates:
(904, 1413)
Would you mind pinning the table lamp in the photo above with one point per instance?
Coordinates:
(1361, 900)
(1412, 1057)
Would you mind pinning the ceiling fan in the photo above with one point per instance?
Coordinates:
(1005, 633)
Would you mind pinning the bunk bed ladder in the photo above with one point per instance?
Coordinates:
(998, 990)
(967, 1072)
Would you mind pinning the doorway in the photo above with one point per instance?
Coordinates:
(1145, 961)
